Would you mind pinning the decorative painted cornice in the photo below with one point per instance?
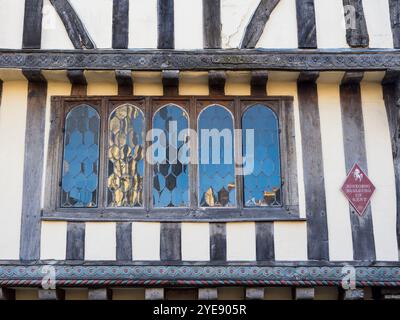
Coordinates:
(197, 275)
(290, 60)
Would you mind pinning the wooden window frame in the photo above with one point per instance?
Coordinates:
(61, 105)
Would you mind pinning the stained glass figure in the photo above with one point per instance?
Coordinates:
(263, 186)
(171, 176)
(125, 157)
(79, 187)
(217, 186)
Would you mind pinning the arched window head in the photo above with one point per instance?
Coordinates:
(79, 187)
(125, 157)
(262, 186)
(170, 175)
(217, 187)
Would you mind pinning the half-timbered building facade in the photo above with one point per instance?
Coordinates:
(84, 215)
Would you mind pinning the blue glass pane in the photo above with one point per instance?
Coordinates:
(125, 157)
(170, 177)
(263, 186)
(217, 176)
(79, 186)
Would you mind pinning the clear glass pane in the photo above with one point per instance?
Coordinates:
(125, 157)
(79, 186)
(170, 176)
(216, 168)
(263, 186)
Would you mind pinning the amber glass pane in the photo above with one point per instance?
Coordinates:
(263, 186)
(171, 178)
(79, 186)
(217, 176)
(125, 157)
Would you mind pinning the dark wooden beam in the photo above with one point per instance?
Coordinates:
(120, 26)
(124, 241)
(196, 60)
(125, 82)
(33, 165)
(170, 241)
(32, 35)
(7, 294)
(355, 152)
(73, 25)
(212, 24)
(78, 81)
(258, 83)
(265, 248)
(216, 82)
(170, 81)
(391, 95)
(317, 226)
(306, 27)
(394, 6)
(257, 23)
(356, 26)
(75, 241)
(165, 15)
(217, 241)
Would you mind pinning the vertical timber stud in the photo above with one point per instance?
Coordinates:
(76, 230)
(7, 294)
(170, 241)
(217, 241)
(356, 26)
(170, 81)
(257, 23)
(212, 24)
(258, 83)
(216, 83)
(125, 82)
(355, 152)
(317, 228)
(165, 16)
(120, 24)
(306, 29)
(395, 21)
(73, 25)
(391, 95)
(32, 36)
(33, 165)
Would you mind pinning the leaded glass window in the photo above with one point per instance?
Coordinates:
(217, 187)
(125, 157)
(170, 175)
(263, 186)
(81, 158)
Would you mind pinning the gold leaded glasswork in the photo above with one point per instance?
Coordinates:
(125, 157)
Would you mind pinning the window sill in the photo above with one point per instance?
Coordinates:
(173, 215)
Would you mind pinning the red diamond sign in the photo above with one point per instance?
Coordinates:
(358, 189)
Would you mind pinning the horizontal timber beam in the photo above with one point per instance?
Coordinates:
(211, 59)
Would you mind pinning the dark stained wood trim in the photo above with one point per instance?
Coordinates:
(78, 81)
(205, 60)
(317, 227)
(75, 241)
(33, 165)
(7, 294)
(124, 241)
(355, 152)
(125, 82)
(394, 6)
(120, 26)
(257, 23)
(356, 26)
(258, 83)
(32, 34)
(265, 248)
(217, 241)
(391, 95)
(306, 27)
(73, 25)
(170, 81)
(170, 241)
(212, 24)
(165, 18)
(216, 83)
